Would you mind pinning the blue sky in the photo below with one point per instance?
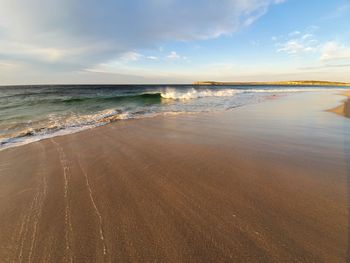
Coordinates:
(173, 41)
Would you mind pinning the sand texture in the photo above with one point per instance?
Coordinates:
(261, 183)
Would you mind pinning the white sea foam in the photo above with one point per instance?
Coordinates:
(103, 116)
(188, 94)
(177, 94)
(59, 125)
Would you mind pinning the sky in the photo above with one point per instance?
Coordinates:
(173, 41)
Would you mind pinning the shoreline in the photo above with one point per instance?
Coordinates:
(68, 131)
(344, 108)
(204, 187)
(30, 138)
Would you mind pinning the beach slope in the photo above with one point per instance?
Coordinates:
(261, 183)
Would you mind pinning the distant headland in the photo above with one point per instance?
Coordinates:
(276, 83)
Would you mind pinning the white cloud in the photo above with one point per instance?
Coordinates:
(152, 57)
(308, 36)
(334, 51)
(298, 43)
(89, 32)
(329, 55)
(297, 47)
(173, 55)
(131, 56)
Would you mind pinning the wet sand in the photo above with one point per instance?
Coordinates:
(261, 183)
(344, 108)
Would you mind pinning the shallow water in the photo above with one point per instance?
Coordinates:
(31, 113)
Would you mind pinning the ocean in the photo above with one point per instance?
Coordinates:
(32, 113)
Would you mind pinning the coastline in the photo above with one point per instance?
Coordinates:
(296, 83)
(204, 187)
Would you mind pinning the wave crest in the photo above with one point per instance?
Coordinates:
(170, 93)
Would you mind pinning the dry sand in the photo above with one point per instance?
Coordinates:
(261, 183)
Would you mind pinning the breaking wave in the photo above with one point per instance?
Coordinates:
(195, 94)
(60, 125)
(168, 93)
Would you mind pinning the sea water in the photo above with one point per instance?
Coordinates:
(31, 113)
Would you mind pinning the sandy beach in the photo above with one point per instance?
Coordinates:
(267, 182)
